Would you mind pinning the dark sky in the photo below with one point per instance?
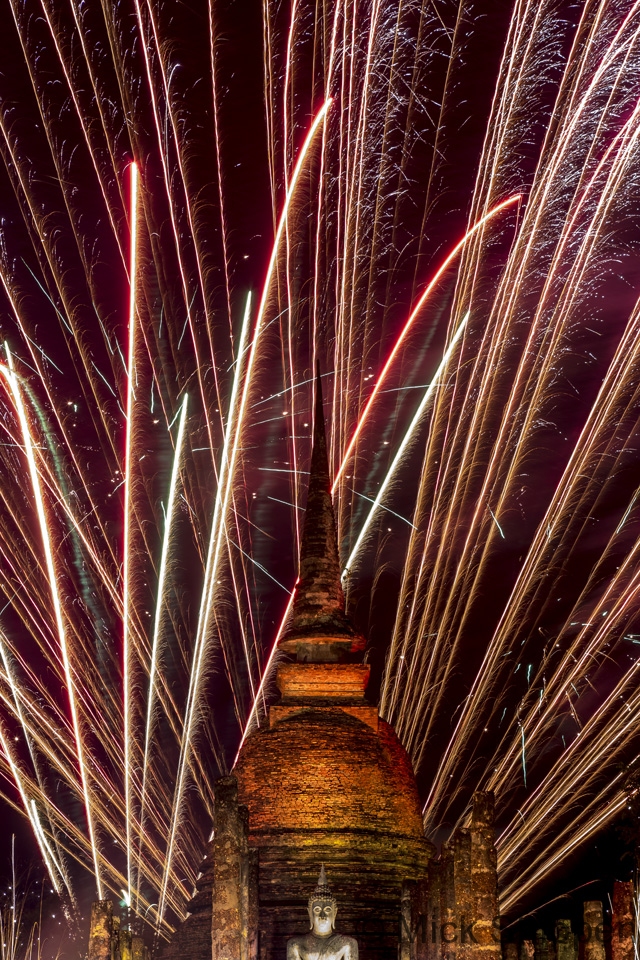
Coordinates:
(244, 151)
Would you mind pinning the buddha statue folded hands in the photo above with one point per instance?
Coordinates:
(322, 943)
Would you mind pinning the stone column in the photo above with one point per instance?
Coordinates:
(542, 945)
(593, 930)
(527, 950)
(101, 930)
(484, 879)
(252, 909)
(230, 919)
(115, 938)
(406, 920)
(434, 919)
(622, 921)
(566, 946)
(448, 931)
(414, 920)
(464, 907)
(125, 943)
(138, 949)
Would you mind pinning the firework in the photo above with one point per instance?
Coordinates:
(481, 358)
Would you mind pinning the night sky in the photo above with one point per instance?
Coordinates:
(63, 202)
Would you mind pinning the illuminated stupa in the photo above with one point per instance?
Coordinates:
(326, 780)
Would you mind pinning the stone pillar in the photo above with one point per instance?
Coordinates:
(593, 930)
(101, 930)
(484, 879)
(448, 931)
(414, 920)
(407, 898)
(138, 949)
(434, 917)
(420, 920)
(527, 950)
(566, 941)
(115, 939)
(231, 911)
(455, 930)
(253, 922)
(125, 943)
(464, 906)
(622, 921)
(542, 945)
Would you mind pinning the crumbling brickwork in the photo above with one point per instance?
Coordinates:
(623, 921)
(109, 940)
(231, 909)
(323, 786)
(461, 894)
(101, 930)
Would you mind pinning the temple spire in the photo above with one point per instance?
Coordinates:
(318, 629)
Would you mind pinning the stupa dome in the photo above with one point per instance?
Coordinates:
(327, 779)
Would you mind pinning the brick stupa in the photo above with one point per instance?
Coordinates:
(326, 780)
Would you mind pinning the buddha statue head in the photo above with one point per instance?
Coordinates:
(322, 908)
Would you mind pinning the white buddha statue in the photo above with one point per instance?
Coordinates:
(322, 943)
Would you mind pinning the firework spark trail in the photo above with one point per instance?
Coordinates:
(12, 382)
(127, 665)
(266, 675)
(87, 128)
(65, 827)
(243, 374)
(183, 179)
(511, 287)
(54, 864)
(237, 405)
(53, 867)
(606, 732)
(47, 119)
(101, 105)
(103, 814)
(619, 163)
(215, 100)
(405, 330)
(576, 775)
(57, 748)
(557, 534)
(346, 323)
(288, 333)
(582, 656)
(484, 679)
(156, 636)
(88, 541)
(566, 842)
(402, 449)
(41, 241)
(52, 733)
(327, 88)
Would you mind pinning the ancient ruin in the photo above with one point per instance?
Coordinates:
(325, 781)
